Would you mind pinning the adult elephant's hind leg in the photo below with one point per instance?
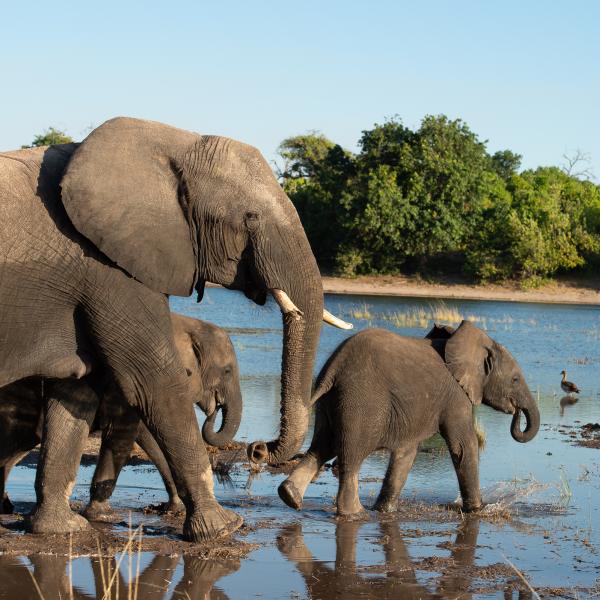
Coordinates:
(70, 409)
(6, 506)
(401, 460)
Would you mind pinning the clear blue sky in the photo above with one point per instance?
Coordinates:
(524, 75)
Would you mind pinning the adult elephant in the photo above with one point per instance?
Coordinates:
(146, 210)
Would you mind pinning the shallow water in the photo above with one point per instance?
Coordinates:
(549, 486)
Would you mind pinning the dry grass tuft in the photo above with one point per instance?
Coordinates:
(362, 312)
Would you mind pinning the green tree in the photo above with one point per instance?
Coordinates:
(506, 163)
(49, 137)
(415, 198)
(548, 224)
(303, 155)
(316, 177)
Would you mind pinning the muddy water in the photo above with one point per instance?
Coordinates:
(542, 523)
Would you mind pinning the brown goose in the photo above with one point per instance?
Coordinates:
(568, 386)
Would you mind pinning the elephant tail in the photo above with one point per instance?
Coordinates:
(323, 385)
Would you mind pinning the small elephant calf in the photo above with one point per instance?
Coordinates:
(209, 358)
(380, 390)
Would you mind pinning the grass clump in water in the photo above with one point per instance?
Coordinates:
(421, 317)
(362, 311)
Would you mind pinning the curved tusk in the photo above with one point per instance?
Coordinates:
(286, 305)
(335, 321)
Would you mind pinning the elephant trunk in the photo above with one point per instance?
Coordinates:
(232, 415)
(302, 319)
(299, 338)
(532, 416)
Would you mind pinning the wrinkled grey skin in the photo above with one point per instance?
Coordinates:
(380, 390)
(92, 239)
(210, 362)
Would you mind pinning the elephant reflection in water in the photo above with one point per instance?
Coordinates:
(50, 573)
(399, 580)
(196, 583)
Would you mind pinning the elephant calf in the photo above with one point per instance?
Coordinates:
(380, 390)
(210, 362)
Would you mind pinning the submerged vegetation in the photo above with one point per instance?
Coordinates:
(434, 199)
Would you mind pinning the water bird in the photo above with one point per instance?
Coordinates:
(568, 386)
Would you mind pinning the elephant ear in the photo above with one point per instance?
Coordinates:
(466, 353)
(440, 332)
(123, 191)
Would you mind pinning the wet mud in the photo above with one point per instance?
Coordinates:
(451, 570)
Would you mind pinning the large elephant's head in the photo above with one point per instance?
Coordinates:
(175, 209)
(487, 372)
(209, 359)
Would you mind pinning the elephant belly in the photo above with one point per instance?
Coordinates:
(37, 329)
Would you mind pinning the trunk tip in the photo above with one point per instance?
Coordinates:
(258, 452)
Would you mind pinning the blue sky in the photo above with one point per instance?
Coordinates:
(523, 75)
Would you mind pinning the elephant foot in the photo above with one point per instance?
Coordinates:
(100, 511)
(386, 506)
(360, 515)
(290, 494)
(211, 524)
(7, 507)
(57, 521)
(173, 507)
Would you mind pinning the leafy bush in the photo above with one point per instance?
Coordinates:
(420, 196)
(49, 137)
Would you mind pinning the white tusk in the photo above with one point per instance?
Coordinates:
(286, 305)
(335, 321)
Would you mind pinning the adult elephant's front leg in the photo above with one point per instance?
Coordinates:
(172, 422)
(140, 352)
(70, 409)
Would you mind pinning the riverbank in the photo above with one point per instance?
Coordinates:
(558, 292)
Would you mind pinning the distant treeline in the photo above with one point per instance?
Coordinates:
(435, 200)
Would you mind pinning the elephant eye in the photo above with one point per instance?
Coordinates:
(227, 370)
(251, 219)
(515, 379)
